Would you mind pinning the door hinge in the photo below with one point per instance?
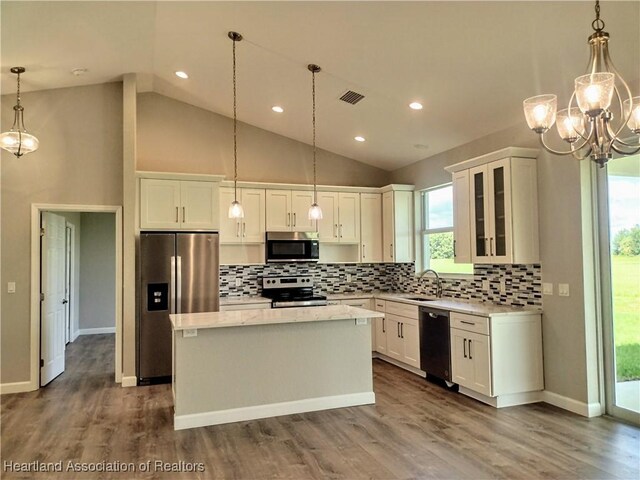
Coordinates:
(42, 362)
(42, 297)
(42, 231)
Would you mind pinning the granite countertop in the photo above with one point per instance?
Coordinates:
(239, 318)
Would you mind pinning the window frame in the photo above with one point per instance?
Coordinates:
(422, 209)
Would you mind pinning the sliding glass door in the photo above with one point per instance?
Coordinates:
(619, 195)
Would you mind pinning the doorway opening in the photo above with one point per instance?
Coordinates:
(76, 283)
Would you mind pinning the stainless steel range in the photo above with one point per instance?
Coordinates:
(295, 291)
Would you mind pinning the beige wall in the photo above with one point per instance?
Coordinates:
(559, 197)
(98, 271)
(79, 162)
(177, 137)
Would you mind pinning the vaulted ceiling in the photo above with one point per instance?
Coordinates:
(470, 63)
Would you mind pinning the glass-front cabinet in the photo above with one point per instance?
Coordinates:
(490, 212)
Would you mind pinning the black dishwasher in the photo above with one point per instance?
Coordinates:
(435, 345)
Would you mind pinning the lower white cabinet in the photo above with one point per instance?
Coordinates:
(498, 357)
(402, 332)
(381, 328)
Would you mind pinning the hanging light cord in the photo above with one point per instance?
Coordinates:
(235, 129)
(313, 95)
(597, 24)
(18, 119)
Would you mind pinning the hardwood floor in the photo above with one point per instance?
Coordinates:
(415, 430)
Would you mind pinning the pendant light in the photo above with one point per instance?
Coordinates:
(235, 209)
(590, 128)
(17, 140)
(315, 212)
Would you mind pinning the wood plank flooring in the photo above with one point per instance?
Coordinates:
(415, 430)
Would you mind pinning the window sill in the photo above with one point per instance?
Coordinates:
(452, 276)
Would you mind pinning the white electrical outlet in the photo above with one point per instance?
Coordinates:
(349, 277)
(238, 282)
(485, 285)
(361, 321)
(503, 286)
(563, 289)
(11, 287)
(190, 332)
(547, 288)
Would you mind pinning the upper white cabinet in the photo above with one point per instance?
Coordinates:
(288, 211)
(397, 226)
(251, 228)
(178, 204)
(370, 227)
(340, 217)
(498, 219)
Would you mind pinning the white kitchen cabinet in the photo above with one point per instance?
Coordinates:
(288, 211)
(340, 217)
(397, 226)
(178, 204)
(497, 359)
(381, 328)
(250, 228)
(370, 227)
(502, 208)
(402, 331)
(461, 222)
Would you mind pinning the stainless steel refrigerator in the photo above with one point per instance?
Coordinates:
(179, 273)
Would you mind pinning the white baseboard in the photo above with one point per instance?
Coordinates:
(96, 331)
(129, 381)
(16, 387)
(75, 335)
(395, 362)
(505, 400)
(181, 422)
(581, 408)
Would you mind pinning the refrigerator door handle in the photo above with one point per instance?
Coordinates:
(172, 286)
(179, 284)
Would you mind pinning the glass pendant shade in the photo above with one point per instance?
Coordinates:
(236, 210)
(594, 92)
(540, 112)
(18, 143)
(633, 105)
(315, 212)
(570, 124)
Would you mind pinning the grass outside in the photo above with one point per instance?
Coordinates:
(447, 265)
(626, 313)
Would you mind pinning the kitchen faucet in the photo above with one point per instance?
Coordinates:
(438, 281)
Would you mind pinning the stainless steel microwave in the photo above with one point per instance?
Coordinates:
(292, 247)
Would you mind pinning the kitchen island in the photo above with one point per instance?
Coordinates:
(243, 365)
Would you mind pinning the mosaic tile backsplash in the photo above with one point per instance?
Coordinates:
(523, 284)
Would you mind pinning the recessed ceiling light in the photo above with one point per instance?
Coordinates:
(277, 109)
(359, 139)
(79, 71)
(415, 106)
(182, 74)
(421, 146)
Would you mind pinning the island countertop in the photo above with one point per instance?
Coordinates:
(238, 318)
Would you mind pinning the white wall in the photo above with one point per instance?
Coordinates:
(97, 271)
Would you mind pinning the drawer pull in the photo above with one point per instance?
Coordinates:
(470, 357)
(467, 323)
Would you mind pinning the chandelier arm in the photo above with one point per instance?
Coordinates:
(586, 139)
(622, 152)
(549, 149)
(622, 142)
(611, 67)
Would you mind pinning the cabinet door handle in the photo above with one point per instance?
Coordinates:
(340, 230)
(294, 220)
(486, 247)
(391, 250)
(464, 347)
(470, 357)
(177, 219)
(402, 330)
(491, 246)
(244, 229)
(335, 230)
(454, 248)
(467, 323)
(288, 219)
(184, 214)
(399, 330)
(383, 329)
(237, 229)
(363, 255)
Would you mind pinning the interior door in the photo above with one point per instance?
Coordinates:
(52, 310)
(67, 284)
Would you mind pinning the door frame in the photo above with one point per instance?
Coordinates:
(71, 264)
(36, 210)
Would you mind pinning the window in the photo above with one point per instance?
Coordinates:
(437, 231)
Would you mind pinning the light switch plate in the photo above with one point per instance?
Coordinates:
(11, 287)
(238, 282)
(563, 289)
(547, 288)
(485, 285)
(190, 332)
(349, 277)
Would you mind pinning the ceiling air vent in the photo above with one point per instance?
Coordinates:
(351, 97)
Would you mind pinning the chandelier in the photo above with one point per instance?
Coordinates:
(235, 209)
(589, 127)
(17, 140)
